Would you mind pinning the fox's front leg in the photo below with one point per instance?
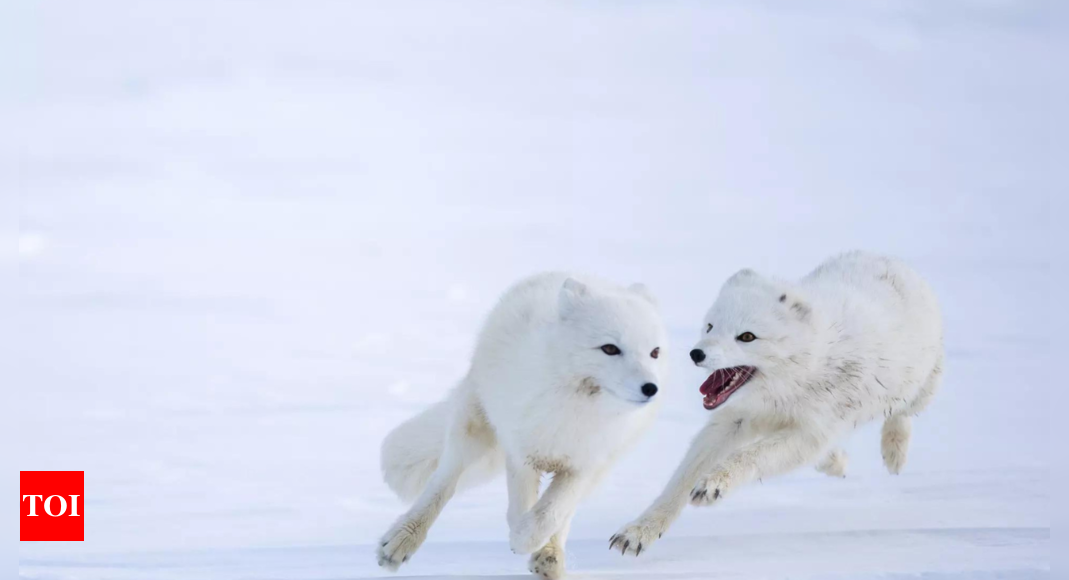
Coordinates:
(710, 444)
(773, 455)
(548, 562)
(522, 490)
(550, 514)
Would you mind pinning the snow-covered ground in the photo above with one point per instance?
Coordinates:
(254, 236)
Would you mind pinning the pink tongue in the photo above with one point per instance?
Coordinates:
(711, 383)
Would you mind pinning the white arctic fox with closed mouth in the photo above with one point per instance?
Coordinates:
(563, 379)
(795, 367)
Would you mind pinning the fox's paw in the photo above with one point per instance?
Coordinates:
(894, 457)
(398, 545)
(548, 562)
(834, 464)
(527, 535)
(637, 536)
(710, 489)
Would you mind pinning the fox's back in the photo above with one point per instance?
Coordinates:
(885, 313)
(887, 285)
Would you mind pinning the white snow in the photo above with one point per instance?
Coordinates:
(254, 236)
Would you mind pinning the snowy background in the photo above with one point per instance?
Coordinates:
(254, 236)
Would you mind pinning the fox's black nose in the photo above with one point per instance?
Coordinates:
(649, 389)
(697, 355)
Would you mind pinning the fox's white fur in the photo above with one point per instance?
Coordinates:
(541, 396)
(859, 338)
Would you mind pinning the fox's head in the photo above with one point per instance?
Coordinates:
(760, 334)
(610, 341)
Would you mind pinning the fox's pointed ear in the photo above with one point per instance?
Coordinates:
(572, 294)
(643, 291)
(743, 275)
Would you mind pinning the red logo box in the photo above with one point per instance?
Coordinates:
(52, 506)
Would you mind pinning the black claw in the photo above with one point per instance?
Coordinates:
(638, 550)
(660, 534)
(716, 494)
(405, 559)
(627, 544)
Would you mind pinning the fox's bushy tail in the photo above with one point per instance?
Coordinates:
(410, 453)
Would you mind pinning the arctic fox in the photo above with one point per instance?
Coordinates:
(794, 367)
(563, 379)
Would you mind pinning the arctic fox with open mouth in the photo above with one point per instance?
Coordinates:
(794, 368)
(563, 379)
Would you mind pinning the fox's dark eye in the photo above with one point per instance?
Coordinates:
(709, 328)
(610, 349)
(656, 352)
(746, 337)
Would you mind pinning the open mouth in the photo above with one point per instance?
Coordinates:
(723, 383)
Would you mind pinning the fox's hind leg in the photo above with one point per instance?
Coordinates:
(894, 442)
(927, 392)
(469, 439)
(898, 427)
(834, 464)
